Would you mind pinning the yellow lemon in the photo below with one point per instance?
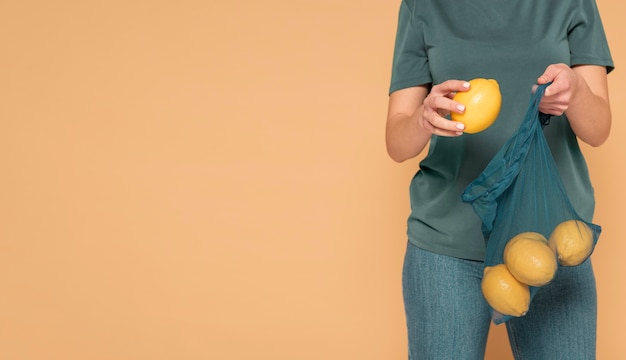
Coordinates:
(529, 258)
(504, 292)
(572, 240)
(482, 105)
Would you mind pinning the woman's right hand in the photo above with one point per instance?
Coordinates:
(417, 113)
(439, 104)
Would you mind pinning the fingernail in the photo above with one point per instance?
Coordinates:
(466, 84)
(460, 126)
(460, 107)
(459, 133)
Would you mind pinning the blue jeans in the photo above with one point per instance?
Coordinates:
(448, 318)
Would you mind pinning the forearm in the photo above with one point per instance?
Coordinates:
(589, 115)
(405, 137)
(417, 113)
(582, 93)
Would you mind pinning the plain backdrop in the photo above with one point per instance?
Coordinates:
(208, 180)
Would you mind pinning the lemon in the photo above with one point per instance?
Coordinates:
(529, 258)
(572, 240)
(482, 105)
(503, 292)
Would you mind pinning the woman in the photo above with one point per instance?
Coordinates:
(439, 46)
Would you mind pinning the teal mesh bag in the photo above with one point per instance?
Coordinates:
(521, 190)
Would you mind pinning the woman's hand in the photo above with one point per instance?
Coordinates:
(582, 94)
(439, 104)
(557, 97)
(416, 113)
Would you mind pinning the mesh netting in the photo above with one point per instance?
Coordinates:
(521, 190)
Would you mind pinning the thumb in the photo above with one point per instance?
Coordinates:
(548, 75)
(545, 78)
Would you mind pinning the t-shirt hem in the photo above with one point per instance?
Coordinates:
(581, 60)
(461, 254)
(407, 83)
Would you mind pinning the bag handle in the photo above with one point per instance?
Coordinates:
(505, 166)
(538, 91)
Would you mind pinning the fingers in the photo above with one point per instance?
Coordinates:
(558, 75)
(439, 104)
(444, 127)
(550, 73)
(450, 87)
(558, 94)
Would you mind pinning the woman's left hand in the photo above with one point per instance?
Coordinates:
(556, 99)
(582, 93)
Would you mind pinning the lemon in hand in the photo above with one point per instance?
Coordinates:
(482, 105)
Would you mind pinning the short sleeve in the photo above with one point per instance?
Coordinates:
(587, 39)
(410, 61)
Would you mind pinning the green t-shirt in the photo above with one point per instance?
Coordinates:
(512, 42)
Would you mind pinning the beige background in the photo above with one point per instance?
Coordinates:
(208, 180)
